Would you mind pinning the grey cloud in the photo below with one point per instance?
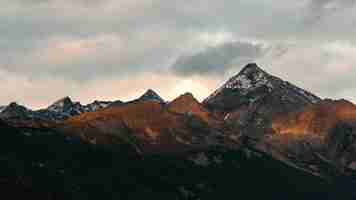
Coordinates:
(128, 37)
(80, 2)
(217, 59)
(319, 9)
(327, 70)
(97, 57)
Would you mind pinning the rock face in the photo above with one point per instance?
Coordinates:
(66, 107)
(326, 129)
(252, 97)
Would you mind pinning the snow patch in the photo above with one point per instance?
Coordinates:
(246, 82)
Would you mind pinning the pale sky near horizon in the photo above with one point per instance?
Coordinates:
(117, 49)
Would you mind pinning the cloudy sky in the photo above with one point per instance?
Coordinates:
(116, 49)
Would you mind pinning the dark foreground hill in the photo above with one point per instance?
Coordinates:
(41, 164)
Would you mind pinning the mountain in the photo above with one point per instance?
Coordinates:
(151, 95)
(96, 105)
(256, 137)
(316, 119)
(328, 129)
(66, 107)
(187, 104)
(253, 85)
(252, 97)
(14, 110)
(20, 116)
(155, 127)
(58, 111)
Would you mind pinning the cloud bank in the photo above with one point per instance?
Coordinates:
(52, 48)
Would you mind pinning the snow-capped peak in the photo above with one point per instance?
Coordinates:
(252, 83)
(248, 79)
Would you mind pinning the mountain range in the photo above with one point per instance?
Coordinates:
(257, 136)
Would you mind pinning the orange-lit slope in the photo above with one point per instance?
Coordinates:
(147, 124)
(188, 105)
(316, 119)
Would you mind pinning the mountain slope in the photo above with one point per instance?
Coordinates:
(148, 124)
(328, 128)
(252, 97)
(187, 104)
(252, 85)
(316, 119)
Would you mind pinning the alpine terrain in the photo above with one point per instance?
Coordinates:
(255, 137)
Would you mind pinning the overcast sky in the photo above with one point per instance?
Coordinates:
(116, 49)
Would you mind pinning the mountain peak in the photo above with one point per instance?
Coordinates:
(61, 105)
(187, 95)
(151, 95)
(252, 85)
(249, 79)
(186, 98)
(64, 100)
(13, 105)
(251, 68)
(14, 110)
(188, 104)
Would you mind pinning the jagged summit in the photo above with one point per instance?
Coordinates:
(61, 105)
(97, 105)
(250, 78)
(252, 84)
(151, 95)
(253, 97)
(15, 110)
(14, 106)
(63, 101)
(251, 68)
